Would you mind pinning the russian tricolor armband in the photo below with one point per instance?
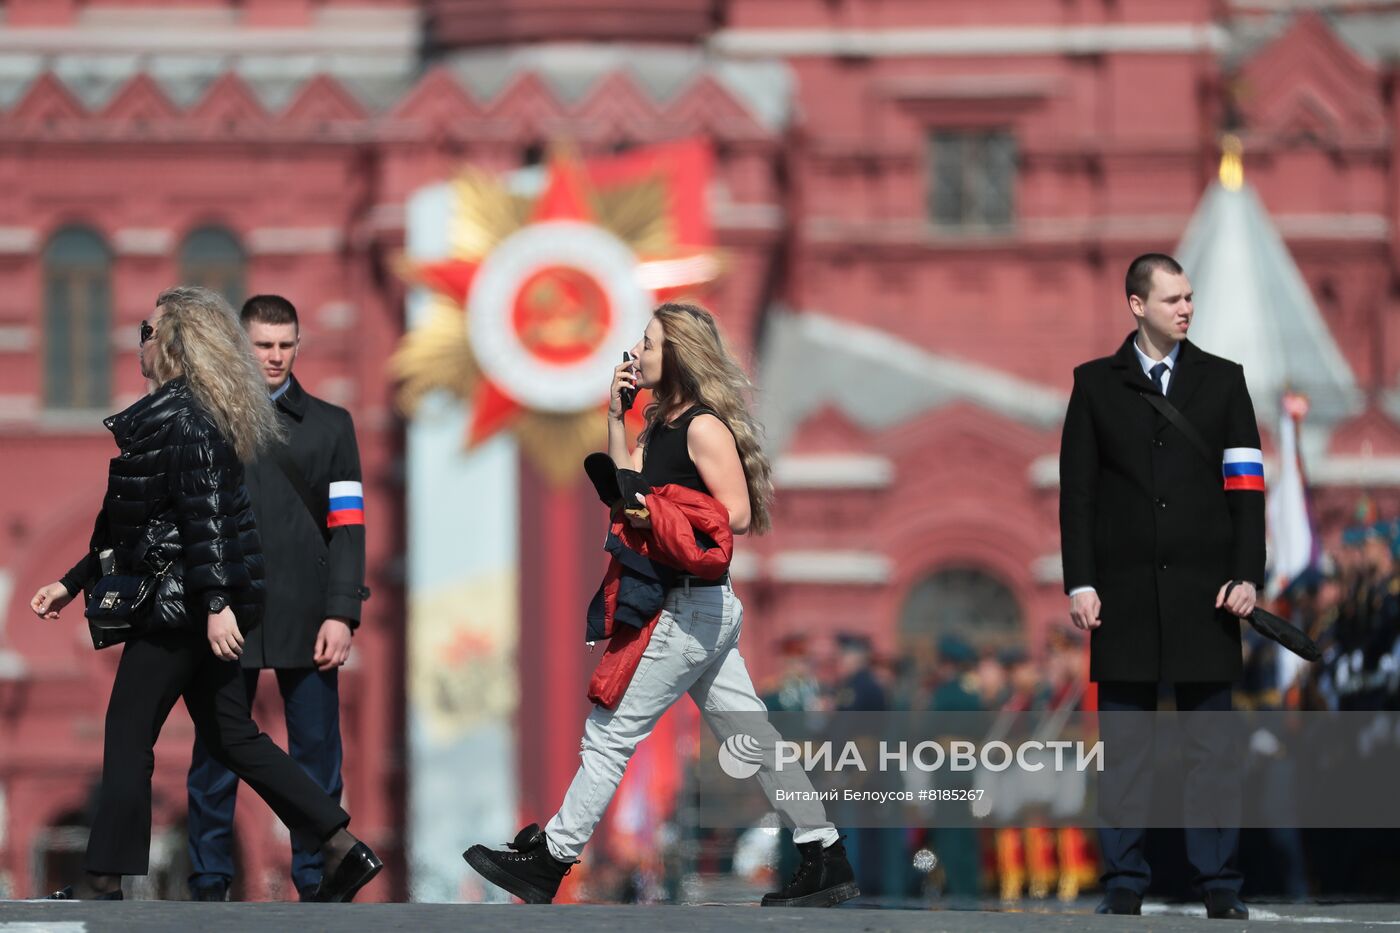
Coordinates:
(1243, 468)
(347, 505)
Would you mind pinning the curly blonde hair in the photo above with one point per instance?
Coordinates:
(199, 337)
(696, 366)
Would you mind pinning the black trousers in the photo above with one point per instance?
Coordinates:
(154, 672)
(311, 699)
(1211, 782)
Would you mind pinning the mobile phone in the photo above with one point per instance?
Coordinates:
(627, 394)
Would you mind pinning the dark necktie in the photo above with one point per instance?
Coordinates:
(1157, 372)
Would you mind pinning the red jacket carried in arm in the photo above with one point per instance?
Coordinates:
(677, 513)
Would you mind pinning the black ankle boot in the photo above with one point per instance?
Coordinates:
(356, 869)
(528, 870)
(824, 879)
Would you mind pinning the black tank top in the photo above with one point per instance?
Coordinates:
(666, 458)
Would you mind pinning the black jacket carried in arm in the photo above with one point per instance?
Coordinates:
(315, 565)
(175, 495)
(1150, 524)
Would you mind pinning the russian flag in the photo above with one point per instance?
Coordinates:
(1243, 468)
(347, 505)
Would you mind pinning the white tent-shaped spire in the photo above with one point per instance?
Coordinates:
(1253, 306)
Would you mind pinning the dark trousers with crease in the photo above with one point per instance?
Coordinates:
(155, 671)
(1127, 784)
(311, 700)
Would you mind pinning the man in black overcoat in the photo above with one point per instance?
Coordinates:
(1153, 534)
(309, 504)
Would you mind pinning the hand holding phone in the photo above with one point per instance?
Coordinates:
(627, 394)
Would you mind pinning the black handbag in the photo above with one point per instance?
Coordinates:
(119, 605)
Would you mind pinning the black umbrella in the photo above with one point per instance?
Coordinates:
(1290, 636)
(1285, 633)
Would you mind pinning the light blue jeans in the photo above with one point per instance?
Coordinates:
(693, 649)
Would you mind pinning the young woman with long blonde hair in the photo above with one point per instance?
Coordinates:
(701, 435)
(176, 510)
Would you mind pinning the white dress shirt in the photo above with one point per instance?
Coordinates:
(1148, 362)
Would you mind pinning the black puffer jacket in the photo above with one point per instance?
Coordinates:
(175, 495)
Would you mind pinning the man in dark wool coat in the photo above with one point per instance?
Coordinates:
(1153, 537)
(309, 504)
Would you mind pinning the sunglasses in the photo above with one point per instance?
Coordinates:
(147, 332)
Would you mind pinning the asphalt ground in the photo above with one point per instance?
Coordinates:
(187, 917)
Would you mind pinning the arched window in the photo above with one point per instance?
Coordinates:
(964, 601)
(77, 320)
(211, 257)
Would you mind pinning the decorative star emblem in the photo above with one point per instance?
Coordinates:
(535, 302)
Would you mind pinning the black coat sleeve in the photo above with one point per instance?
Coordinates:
(1079, 467)
(205, 478)
(346, 578)
(1246, 505)
(89, 567)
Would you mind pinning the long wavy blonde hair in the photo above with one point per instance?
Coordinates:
(697, 367)
(199, 337)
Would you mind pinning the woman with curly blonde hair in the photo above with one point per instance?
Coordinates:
(176, 513)
(201, 340)
(700, 435)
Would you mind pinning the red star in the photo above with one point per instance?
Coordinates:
(565, 197)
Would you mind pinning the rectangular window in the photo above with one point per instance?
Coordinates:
(77, 320)
(972, 179)
(78, 339)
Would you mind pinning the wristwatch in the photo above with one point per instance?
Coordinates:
(217, 603)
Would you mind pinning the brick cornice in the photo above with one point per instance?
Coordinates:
(439, 106)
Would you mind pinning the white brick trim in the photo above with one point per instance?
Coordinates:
(833, 471)
(294, 240)
(830, 567)
(143, 241)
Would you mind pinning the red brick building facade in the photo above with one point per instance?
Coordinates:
(947, 193)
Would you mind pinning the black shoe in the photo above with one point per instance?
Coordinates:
(215, 891)
(1224, 904)
(824, 879)
(1120, 901)
(356, 870)
(309, 893)
(528, 871)
(68, 894)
